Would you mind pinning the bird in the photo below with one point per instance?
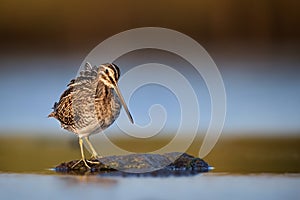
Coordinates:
(90, 104)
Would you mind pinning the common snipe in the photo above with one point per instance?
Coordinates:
(90, 104)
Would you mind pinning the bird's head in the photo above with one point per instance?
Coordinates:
(109, 74)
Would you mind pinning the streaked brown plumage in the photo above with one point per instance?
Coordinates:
(91, 103)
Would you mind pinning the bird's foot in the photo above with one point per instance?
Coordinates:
(94, 159)
(93, 162)
(84, 161)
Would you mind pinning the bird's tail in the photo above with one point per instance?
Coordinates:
(52, 114)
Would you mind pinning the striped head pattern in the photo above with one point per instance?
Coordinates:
(109, 74)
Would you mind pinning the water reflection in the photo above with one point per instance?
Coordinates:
(211, 185)
(87, 180)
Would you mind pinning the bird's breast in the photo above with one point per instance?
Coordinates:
(107, 106)
(87, 108)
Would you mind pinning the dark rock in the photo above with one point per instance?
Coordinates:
(177, 164)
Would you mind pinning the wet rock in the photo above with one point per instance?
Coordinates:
(177, 164)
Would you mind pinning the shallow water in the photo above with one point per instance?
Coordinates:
(33, 154)
(204, 186)
(245, 168)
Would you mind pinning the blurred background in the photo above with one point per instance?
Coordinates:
(255, 45)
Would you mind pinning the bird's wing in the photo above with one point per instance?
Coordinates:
(88, 72)
(63, 109)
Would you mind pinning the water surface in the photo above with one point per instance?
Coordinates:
(206, 186)
(245, 168)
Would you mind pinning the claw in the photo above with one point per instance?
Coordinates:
(93, 162)
(85, 163)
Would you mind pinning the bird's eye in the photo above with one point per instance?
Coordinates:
(106, 71)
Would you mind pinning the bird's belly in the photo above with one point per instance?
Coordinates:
(99, 120)
(89, 129)
(89, 113)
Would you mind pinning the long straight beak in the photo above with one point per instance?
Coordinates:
(123, 103)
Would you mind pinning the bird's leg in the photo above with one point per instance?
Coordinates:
(94, 152)
(82, 155)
